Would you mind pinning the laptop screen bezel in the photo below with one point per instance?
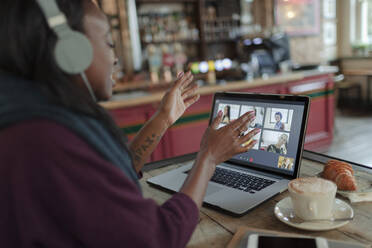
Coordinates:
(272, 97)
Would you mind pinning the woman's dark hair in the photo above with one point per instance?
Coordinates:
(228, 111)
(27, 50)
(280, 115)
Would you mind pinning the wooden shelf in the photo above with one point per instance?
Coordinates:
(169, 42)
(220, 41)
(204, 48)
(166, 1)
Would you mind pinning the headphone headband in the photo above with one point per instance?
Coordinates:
(73, 52)
(52, 13)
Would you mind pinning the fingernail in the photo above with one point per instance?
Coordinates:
(220, 113)
(180, 74)
(258, 130)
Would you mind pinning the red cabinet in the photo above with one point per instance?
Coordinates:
(319, 133)
(186, 134)
(131, 120)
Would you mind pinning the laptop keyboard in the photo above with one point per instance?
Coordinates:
(240, 181)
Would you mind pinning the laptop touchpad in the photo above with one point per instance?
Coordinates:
(212, 189)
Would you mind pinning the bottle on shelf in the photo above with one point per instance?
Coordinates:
(155, 62)
(180, 58)
(168, 62)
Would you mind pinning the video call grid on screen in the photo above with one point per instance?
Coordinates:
(280, 125)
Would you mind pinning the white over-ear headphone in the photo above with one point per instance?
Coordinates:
(73, 51)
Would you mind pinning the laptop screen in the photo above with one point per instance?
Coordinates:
(280, 121)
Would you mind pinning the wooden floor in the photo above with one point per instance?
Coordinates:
(353, 138)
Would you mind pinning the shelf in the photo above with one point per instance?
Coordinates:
(190, 42)
(170, 42)
(220, 41)
(166, 1)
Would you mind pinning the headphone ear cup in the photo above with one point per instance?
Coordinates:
(73, 52)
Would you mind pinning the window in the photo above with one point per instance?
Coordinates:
(360, 21)
(370, 21)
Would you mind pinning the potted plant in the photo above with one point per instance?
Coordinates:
(360, 49)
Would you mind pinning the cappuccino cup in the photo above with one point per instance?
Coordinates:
(312, 197)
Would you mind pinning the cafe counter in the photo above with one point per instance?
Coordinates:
(132, 110)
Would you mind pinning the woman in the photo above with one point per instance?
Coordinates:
(67, 176)
(226, 115)
(257, 123)
(279, 125)
(281, 146)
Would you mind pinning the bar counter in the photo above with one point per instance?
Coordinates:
(123, 100)
(131, 110)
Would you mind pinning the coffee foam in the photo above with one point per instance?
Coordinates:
(311, 185)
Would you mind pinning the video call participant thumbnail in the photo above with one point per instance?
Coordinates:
(230, 112)
(285, 163)
(278, 119)
(276, 142)
(259, 113)
(226, 114)
(279, 125)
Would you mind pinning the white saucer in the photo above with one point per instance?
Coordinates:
(284, 212)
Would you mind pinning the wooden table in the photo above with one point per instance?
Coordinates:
(216, 229)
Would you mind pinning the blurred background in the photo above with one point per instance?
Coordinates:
(319, 48)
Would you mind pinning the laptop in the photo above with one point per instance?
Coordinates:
(248, 179)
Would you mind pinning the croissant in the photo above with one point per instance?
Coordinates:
(341, 173)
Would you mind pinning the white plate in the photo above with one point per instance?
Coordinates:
(364, 184)
(363, 181)
(284, 212)
(364, 187)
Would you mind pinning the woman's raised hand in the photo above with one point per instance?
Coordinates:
(178, 98)
(219, 145)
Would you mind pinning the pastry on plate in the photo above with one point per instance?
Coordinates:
(341, 173)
